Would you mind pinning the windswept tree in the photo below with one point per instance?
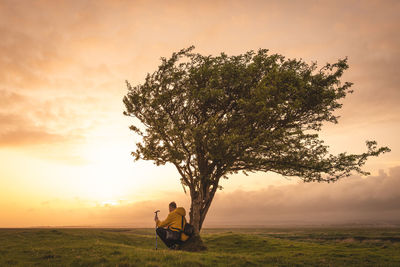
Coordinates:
(212, 116)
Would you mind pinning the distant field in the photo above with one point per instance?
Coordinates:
(226, 247)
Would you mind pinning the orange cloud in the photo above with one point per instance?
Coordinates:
(23, 122)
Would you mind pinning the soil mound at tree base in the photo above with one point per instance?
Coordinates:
(193, 244)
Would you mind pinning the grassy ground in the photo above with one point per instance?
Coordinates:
(226, 247)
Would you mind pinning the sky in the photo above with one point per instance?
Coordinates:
(65, 145)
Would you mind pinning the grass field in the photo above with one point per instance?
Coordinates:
(226, 247)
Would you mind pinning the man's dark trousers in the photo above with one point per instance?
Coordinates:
(162, 233)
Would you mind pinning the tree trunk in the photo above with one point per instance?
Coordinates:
(195, 212)
(195, 243)
(199, 206)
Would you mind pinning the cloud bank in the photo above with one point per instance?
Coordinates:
(370, 200)
(355, 200)
(373, 200)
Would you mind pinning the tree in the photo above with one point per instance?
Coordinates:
(212, 116)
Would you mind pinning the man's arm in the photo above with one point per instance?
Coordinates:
(164, 223)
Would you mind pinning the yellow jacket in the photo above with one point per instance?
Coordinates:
(174, 221)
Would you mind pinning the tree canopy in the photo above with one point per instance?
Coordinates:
(212, 116)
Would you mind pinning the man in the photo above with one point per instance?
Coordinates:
(171, 229)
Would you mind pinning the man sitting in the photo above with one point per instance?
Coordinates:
(171, 229)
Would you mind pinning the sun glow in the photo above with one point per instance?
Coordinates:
(105, 174)
(110, 173)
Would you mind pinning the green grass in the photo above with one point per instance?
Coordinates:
(226, 247)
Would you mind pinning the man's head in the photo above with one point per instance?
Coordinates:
(172, 206)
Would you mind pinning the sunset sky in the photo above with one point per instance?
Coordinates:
(65, 145)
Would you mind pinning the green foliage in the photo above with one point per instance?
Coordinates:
(226, 247)
(213, 116)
